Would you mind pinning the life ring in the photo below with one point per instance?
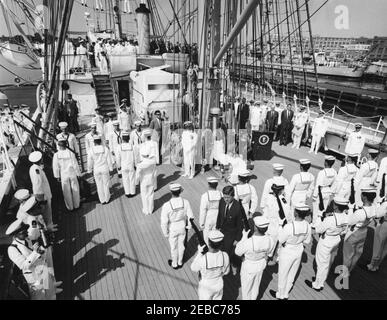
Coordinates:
(17, 80)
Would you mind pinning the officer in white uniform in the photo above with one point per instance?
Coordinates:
(189, 140)
(292, 237)
(154, 151)
(255, 251)
(70, 138)
(331, 226)
(356, 141)
(246, 193)
(299, 126)
(380, 241)
(358, 222)
(324, 182)
(342, 185)
(123, 116)
(209, 206)
(30, 259)
(126, 163)
(319, 129)
(302, 184)
(66, 171)
(175, 216)
(367, 175)
(145, 175)
(256, 116)
(212, 267)
(99, 163)
(40, 186)
(277, 179)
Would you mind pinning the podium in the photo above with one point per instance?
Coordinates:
(262, 143)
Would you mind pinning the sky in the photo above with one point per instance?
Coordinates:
(338, 18)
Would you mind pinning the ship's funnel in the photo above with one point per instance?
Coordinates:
(143, 27)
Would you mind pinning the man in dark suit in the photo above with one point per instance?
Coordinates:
(272, 119)
(286, 125)
(243, 114)
(157, 125)
(72, 111)
(229, 220)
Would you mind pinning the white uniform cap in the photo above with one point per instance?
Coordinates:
(212, 180)
(278, 166)
(358, 125)
(15, 227)
(126, 134)
(215, 236)
(373, 151)
(22, 194)
(175, 187)
(147, 132)
(261, 222)
(330, 158)
(137, 123)
(352, 155)
(35, 156)
(341, 201)
(93, 124)
(305, 161)
(29, 204)
(233, 179)
(244, 173)
(302, 207)
(187, 123)
(116, 123)
(97, 137)
(63, 125)
(369, 190)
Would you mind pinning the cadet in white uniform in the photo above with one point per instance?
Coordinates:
(145, 175)
(108, 128)
(123, 117)
(331, 226)
(175, 216)
(319, 129)
(380, 241)
(277, 179)
(346, 176)
(209, 206)
(40, 186)
(137, 138)
(99, 163)
(115, 141)
(367, 175)
(247, 193)
(356, 141)
(359, 222)
(292, 238)
(212, 267)
(189, 140)
(302, 184)
(154, 151)
(70, 138)
(99, 120)
(255, 250)
(126, 162)
(30, 259)
(66, 171)
(22, 196)
(324, 181)
(89, 138)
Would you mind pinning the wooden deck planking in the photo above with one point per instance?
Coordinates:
(145, 273)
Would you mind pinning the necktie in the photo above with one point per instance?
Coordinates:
(227, 210)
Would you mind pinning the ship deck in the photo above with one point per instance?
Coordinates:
(114, 252)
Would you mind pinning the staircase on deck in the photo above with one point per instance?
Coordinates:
(104, 93)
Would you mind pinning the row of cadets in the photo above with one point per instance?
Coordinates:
(212, 266)
(71, 140)
(126, 163)
(246, 193)
(145, 175)
(255, 251)
(277, 179)
(175, 219)
(66, 171)
(99, 163)
(324, 181)
(209, 207)
(292, 238)
(302, 184)
(40, 185)
(189, 140)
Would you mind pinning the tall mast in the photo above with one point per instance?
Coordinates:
(117, 20)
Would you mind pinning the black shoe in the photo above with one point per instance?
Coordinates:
(170, 264)
(310, 285)
(273, 294)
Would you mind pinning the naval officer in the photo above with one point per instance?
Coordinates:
(175, 216)
(40, 186)
(356, 142)
(255, 251)
(99, 163)
(209, 206)
(189, 140)
(212, 267)
(126, 163)
(66, 171)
